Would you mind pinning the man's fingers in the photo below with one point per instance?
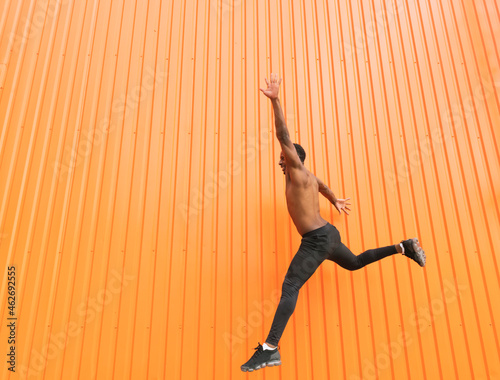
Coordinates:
(273, 78)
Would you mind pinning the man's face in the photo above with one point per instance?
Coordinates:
(282, 162)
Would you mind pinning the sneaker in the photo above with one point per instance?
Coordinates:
(414, 251)
(262, 358)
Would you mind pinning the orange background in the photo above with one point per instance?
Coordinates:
(143, 207)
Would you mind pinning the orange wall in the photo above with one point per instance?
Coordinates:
(144, 211)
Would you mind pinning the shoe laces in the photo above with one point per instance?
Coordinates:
(259, 350)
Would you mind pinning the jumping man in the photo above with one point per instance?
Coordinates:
(320, 240)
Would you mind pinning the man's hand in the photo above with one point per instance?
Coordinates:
(273, 87)
(342, 205)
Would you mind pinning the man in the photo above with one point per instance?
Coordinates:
(320, 240)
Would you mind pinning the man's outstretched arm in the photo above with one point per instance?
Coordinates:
(340, 204)
(282, 134)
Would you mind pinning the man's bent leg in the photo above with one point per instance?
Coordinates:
(348, 260)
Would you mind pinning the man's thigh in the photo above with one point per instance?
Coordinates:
(305, 262)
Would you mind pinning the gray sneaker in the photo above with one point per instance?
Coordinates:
(262, 358)
(414, 251)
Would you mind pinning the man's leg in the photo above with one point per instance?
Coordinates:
(348, 260)
(302, 267)
(311, 254)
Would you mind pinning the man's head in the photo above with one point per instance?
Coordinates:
(300, 152)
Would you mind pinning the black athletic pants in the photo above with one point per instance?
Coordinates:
(316, 246)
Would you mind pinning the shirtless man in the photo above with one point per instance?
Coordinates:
(320, 240)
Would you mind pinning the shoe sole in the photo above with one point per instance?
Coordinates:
(268, 364)
(419, 252)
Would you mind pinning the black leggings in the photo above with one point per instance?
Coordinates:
(317, 246)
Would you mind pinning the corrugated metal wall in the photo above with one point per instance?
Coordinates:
(143, 208)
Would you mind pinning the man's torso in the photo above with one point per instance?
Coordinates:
(302, 200)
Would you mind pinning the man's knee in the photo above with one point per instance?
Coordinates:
(287, 305)
(355, 264)
(289, 287)
(288, 282)
(289, 295)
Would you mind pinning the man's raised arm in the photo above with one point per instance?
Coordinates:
(282, 134)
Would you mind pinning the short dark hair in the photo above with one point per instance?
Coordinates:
(301, 152)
